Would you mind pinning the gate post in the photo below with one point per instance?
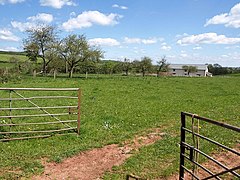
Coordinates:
(79, 111)
(182, 148)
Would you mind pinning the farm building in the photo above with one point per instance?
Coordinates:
(181, 70)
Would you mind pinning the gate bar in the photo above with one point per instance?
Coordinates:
(212, 159)
(234, 128)
(30, 132)
(212, 141)
(40, 89)
(40, 123)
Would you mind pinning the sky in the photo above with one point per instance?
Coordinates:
(184, 31)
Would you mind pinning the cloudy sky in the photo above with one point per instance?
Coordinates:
(185, 31)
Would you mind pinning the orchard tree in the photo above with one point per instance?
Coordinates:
(75, 50)
(145, 65)
(32, 51)
(126, 66)
(40, 39)
(163, 66)
(189, 69)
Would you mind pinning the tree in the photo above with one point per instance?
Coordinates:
(56, 62)
(163, 66)
(189, 69)
(75, 50)
(38, 42)
(126, 66)
(108, 67)
(32, 51)
(145, 65)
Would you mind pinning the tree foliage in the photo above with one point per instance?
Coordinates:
(40, 39)
(126, 66)
(145, 65)
(75, 49)
(163, 66)
(217, 69)
(189, 69)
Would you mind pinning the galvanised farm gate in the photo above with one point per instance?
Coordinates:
(196, 146)
(38, 112)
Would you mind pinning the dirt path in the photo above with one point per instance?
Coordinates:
(90, 165)
(227, 158)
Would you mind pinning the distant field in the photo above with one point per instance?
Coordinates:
(234, 75)
(8, 57)
(130, 106)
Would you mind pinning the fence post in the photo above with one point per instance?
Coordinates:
(182, 148)
(10, 108)
(79, 111)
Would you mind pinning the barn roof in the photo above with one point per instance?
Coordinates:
(179, 66)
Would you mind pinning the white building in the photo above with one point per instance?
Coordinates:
(178, 70)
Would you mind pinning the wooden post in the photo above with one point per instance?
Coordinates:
(79, 111)
(34, 73)
(54, 73)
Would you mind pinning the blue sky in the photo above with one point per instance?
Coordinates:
(185, 31)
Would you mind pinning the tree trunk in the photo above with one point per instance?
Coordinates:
(54, 74)
(71, 73)
(34, 73)
(66, 65)
(44, 67)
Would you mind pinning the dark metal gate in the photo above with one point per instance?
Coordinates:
(193, 158)
(38, 112)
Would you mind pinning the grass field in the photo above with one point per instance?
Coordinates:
(130, 106)
(7, 57)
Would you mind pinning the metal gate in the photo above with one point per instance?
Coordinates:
(38, 112)
(192, 155)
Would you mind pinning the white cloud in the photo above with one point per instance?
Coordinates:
(139, 51)
(149, 41)
(104, 42)
(184, 55)
(72, 14)
(181, 35)
(9, 49)
(197, 48)
(208, 38)
(33, 21)
(231, 19)
(120, 7)
(224, 56)
(2, 2)
(132, 40)
(7, 35)
(42, 17)
(166, 47)
(140, 41)
(88, 18)
(232, 47)
(58, 4)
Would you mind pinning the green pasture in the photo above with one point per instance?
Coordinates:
(7, 57)
(116, 108)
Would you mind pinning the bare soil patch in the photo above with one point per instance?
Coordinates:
(226, 158)
(93, 163)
